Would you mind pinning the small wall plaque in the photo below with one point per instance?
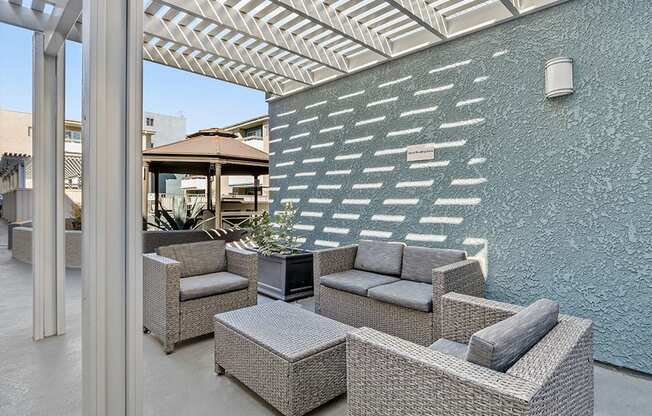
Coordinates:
(420, 152)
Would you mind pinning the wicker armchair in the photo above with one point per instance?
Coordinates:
(418, 326)
(391, 376)
(170, 318)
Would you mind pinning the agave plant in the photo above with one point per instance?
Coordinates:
(181, 217)
(277, 237)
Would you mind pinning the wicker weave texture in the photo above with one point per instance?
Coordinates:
(359, 311)
(292, 387)
(391, 376)
(173, 321)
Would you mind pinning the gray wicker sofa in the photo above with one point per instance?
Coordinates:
(185, 285)
(391, 376)
(392, 287)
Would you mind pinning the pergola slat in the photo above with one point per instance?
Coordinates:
(239, 22)
(423, 14)
(318, 13)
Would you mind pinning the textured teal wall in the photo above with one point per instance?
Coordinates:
(554, 195)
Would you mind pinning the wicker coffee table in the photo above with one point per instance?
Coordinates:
(292, 358)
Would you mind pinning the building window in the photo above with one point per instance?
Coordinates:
(29, 131)
(149, 122)
(253, 132)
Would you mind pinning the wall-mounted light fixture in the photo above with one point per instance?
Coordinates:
(559, 77)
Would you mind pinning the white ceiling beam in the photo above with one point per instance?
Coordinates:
(179, 34)
(423, 14)
(60, 24)
(513, 8)
(232, 19)
(317, 12)
(210, 69)
(23, 17)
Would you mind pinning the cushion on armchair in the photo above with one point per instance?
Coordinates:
(499, 346)
(211, 284)
(355, 281)
(379, 257)
(418, 262)
(448, 347)
(412, 295)
(197, 258)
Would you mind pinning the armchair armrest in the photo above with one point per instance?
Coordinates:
(329, 261)
(244, 263)
(464, 315)
(161, 297)
(464, 277)
(391, 376)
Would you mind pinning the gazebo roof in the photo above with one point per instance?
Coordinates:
(210, 144)
(192, 154)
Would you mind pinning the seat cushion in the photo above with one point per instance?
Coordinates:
(196, 287)
(413, 295)
(418, 262)
(499, 346)
(456, 349)
(379, 257)
(355, 281)
(197, 258)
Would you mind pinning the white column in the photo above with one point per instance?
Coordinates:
(112, 199)
(217, 195)
(48, 242)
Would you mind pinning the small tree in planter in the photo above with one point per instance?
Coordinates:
(284, 271)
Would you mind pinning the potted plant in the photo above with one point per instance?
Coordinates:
(284, 270)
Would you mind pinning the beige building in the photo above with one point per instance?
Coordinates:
(16, 133)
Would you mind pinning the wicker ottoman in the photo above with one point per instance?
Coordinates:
(292, 358)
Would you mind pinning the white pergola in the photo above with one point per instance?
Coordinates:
(282, 46)
(277, 46)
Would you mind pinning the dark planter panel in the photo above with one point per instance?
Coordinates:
(285, 278)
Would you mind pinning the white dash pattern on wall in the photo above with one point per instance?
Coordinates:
(457, 201)
(317, 104)
(469, 102)
(329, 129)
(451, 66)
(279, 127)
(394, 82)
(339, 113)
(297, 187)
(378, 169)
(468, 181)
(404, 132)
(358, 139)
(415, 184)
(319, 146)
(388, 218)
(287, 113)
(353, 94)
(325, 243)
(383, 101)
(312, 214)
(320, 200)
(308, 120)
(375, 185)
(335, 230)
(401, 201)
(345, 216)
(349, 157)
(375, 233)
(441, 220)
(292, 150)
(314, 160)
(282, 164)
(395, 151)
(419, 111)
(480, 79)
(369, 121)
(305, 227)
(476, 161)
(426, 237)
(292, 200)
(329, 186)
(298, 136)
(434, 89)
(462, 123)
(356, 201)
(338, 172)
(300, 174)
(434, 164)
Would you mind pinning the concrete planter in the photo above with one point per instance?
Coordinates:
(285, 277)
(22, 246)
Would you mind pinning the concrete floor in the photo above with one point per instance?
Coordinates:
(44, 378)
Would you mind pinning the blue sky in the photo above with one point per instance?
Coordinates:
(205, 102)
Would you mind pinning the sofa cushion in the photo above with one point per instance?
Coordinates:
(413, 295)
(355, 281)
(418, 262)
(196, 287)
(499, 346)
(197, 258)
(379, 257)
(456, 349)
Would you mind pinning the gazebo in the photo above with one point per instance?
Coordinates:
(212, 153)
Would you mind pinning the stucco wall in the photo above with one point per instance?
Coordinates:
(554, 194)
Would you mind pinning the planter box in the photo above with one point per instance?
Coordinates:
(285, 277)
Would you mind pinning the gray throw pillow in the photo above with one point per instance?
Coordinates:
(379, 257)
(501, 345)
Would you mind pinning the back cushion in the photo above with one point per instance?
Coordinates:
(379, 257)
(501, 345)
(418, 262)
(197, 258)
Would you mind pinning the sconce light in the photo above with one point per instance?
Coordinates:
(559, 77)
